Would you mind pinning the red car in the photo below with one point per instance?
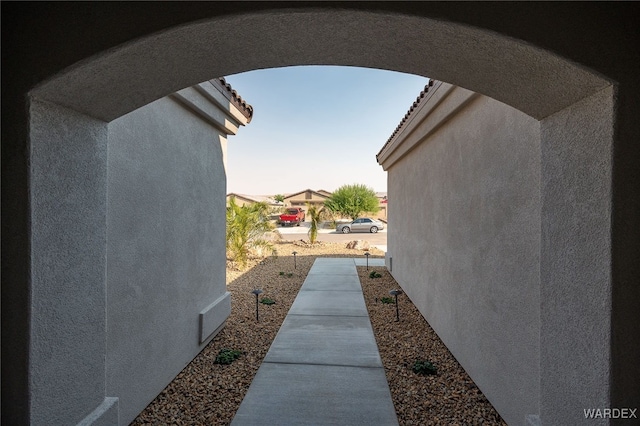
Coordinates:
(294, 215)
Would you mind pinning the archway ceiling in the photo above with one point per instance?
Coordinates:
(130, 76)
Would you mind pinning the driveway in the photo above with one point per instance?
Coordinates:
(292, 233)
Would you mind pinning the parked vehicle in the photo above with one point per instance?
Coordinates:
(362, 224)
(293, 215)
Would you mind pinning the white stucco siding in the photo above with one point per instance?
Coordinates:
(165, 248)
(466, 243)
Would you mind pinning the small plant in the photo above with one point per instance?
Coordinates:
(374, 274)
(267, 301)
(424, 367)
(388, 300)
(227, 356)
(281, 273)
(290, 274)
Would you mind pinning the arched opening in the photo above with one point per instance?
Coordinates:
(529, 79)
(68, 132)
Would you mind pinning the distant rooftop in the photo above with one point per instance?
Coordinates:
(254, 198)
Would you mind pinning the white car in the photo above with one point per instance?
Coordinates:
(362, 224)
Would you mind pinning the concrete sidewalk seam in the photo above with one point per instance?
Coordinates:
(322, 365)
(303, 372)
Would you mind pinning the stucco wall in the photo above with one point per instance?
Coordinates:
(576, 324)
(165, 248)
(68, 178)
(465, 214)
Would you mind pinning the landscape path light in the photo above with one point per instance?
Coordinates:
(367, 254)
(294, 260)
(396, 293)
(257, 291)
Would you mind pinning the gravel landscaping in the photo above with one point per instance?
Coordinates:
(209, 393)
(447, 398)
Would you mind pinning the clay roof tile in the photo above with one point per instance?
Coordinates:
(232, 95)
(408, 114)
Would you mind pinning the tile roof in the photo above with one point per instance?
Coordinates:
(234, 98)
(325, 194)
(408, 114)
(253, 198)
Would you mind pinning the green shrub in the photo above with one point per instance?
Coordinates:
(267, 301)
(374, 274)
(424, 367)
(227, 356)
(245, 231)
(390, 300)
(351, 200)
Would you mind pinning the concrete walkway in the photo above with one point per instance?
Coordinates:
(323, 368)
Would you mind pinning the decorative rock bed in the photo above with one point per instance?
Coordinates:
(209, 393)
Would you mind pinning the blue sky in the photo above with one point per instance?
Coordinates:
(317, 127)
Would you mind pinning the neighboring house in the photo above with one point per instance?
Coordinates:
(317, 198)
(163, 310)
(244, 199)
(308, 196)
(464, 186)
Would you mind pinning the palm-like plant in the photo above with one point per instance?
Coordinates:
(246, 226)
(315, 215)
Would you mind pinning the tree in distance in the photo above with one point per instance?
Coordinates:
(279, 198)
(352, 200)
